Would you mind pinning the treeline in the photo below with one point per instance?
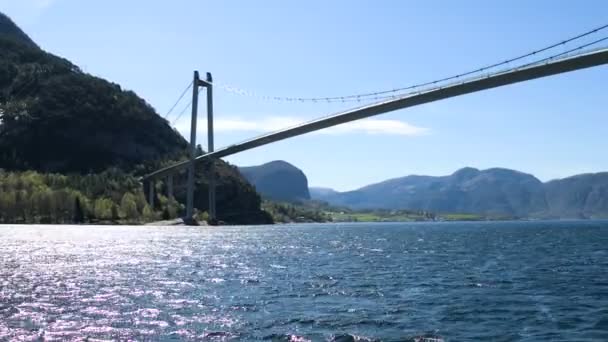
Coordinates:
(108, 197)
(292, 212)
(417, 214)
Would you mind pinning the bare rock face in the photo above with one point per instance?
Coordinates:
(580, 196)
(278, 180)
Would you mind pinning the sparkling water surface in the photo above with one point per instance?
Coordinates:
(500, 281)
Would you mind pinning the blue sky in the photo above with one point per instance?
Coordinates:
(552, 127)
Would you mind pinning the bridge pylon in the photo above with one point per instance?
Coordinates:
(209, 85)
(197, 83)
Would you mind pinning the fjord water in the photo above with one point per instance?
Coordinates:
(497, 281)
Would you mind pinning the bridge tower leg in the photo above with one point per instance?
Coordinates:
(209, 85)
(190, 185)
(151, 186)
(170, 186)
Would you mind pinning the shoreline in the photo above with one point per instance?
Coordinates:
(181, 223)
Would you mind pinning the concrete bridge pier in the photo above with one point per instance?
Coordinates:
(209, 85)
(151, 185)
(170, 186)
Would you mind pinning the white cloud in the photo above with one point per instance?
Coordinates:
(379, 126)
(274, 123)
(268, 124)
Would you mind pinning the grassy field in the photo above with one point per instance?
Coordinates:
(398, 217)
(373, 217)
(313, 211)
(462, 217)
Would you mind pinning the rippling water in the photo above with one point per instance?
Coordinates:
(391, 282)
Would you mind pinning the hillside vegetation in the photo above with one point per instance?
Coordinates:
(56, 119)
(108, 197)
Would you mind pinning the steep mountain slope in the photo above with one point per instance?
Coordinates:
(10, 31)
(496, 192)
(55, 118)
(278, 180)
(580, 196)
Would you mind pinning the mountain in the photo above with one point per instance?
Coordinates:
(323, 194)
(10, 31)
(278, 180)
(581, 196)
(54, 118)
(493, 192)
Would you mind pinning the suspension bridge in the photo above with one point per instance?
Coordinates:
(583, 56)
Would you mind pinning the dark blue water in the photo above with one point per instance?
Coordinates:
(526, 281)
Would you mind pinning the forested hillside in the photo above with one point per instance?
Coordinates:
(108, 197)
(55, 118)
(59, 121)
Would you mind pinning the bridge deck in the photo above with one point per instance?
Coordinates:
(581, 61)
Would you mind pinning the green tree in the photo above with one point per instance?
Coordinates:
(115, 215)
(103, 209)
(78, 211)
(148, 214)
(166, 215)
(128, 206)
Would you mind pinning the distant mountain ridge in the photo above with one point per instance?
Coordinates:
(278, 180)
(318, 192)
(579, 196)
(495, 192)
